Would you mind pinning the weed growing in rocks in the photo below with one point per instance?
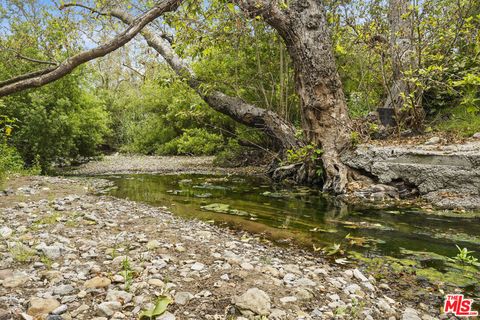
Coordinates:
(21, 253)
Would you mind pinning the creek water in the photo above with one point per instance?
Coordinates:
(305, 217)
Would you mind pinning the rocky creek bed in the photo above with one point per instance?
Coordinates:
(69, 253)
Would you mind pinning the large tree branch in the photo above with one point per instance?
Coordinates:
(268, 10)
(67, 66)
(26, 76)
(282, 132)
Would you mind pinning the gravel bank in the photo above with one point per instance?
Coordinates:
(81, 256)
(124, 164)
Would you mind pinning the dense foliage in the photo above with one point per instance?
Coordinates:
(163, 116)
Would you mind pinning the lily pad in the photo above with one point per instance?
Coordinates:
(210, 186)
(203, 195)
(225, 208)
(276, 194)
(217, 207)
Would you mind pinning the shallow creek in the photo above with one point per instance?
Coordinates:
(409, 238)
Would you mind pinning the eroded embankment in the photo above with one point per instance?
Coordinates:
(448, 176)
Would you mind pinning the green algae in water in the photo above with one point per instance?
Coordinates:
(456, 276)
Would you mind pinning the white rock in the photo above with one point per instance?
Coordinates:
(6, 232)
(368, 285)
(357, 274)
(254, 300)
(182, 298)
(53, 252)
(289, 278)
(352, 288)
(197, 266)
(288, 299)
(109, 308)
(63, 290)
(246, 266)
(156, 282)
(277, 314)
(383, 305)
(119, 296)
(410, 314)
(225, 277)
(334, 297)
(304, 282)
(61, 309)
(432, 140)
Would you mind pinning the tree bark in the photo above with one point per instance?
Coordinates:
(281, 131)
(402, 57)
(325, 120)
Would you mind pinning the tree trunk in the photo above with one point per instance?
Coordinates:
(400, 93)
(325, 120)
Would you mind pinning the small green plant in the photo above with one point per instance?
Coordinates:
(355, 138)
(49, 219)
(46, 261)
(335, 248)
(304, 153)
(464, 256)
(373, 128)
(340, 310)
(127, 273)
(21, 253)
(160, 307)
(356, 308)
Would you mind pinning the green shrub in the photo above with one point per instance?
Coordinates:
(10, 161)
(461, 122)
(56, 123)
(193, 142)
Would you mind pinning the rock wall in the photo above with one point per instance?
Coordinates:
(449, 176)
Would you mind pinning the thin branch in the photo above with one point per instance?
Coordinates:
(21, 56)
(134, 70)
(71, 63)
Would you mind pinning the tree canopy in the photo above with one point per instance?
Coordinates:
(298, 81)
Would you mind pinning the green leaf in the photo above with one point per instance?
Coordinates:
(231, 7)
(158, 310)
